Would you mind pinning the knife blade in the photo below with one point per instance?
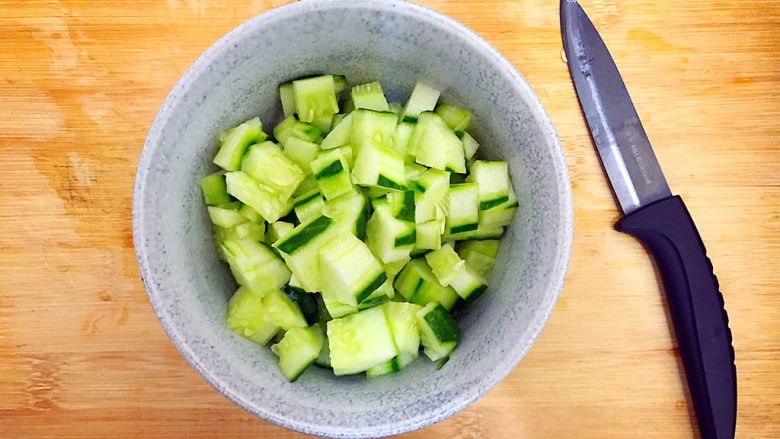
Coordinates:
(660, 221)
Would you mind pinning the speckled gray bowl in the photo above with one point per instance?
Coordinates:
(396, 43)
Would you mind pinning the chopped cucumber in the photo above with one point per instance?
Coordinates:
(488, 247)
(463, 215)
(349, 211)
(225, 217)
(439, 332)
(233, 143)
(331, 171)
(372, 126)
(423, 98)
(281, 311)
(292, 127)
(386, 368)
(360, 341)
(301, 152)
(308, 205)
(492, 179)
(254, 265)
(417, 284)
(266, 163)
(481, 264)
(403, 327)
(379, 166)
(245, 317)
(445, 264)
(395, 107)
(470, 146)
(299, 348)
(337, 262)
(315, 98)
(214, 189)
(369, 96)
(455, 117)
(247, 230)
(403, 133)
(436, 146)
(429, 235)
(389, 238)
(300, 250)
(432, 194)
(266, 201)
(350, 272)
(402, 205)
(250, 214)
(340, 135)
(287, 96)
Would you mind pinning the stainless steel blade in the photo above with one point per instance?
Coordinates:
(622, 144)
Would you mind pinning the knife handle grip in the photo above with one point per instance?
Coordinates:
(697, 310)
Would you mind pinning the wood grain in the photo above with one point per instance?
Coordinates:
(82, 354)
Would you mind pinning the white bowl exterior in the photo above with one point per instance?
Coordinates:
(398, 44)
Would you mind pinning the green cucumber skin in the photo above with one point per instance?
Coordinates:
(303, 201)
(309, 232)
(390, 184)
(330, 170)
(485, 205)
(464, 228)
(444, 326)
(376, 283)
(406, 240)
(407, 210)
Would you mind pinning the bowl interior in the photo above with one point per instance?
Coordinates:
(397, 44)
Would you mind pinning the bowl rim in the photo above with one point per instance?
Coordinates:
(565, 204)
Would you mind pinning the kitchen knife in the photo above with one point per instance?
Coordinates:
(659, 220)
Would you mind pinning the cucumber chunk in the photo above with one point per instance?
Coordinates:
(492, 177)
(403, 327)
(379, 166)
(266, 201)
(439, 333)
(214, 189)
(233, 143)
(402, 205)
(287, 96)
(225, 217)
(488, 247)
(266, 163)
(388, 367)
(373, 126)
(349, 211)
(470, 146)
(248, 230)
(435, 145)
(337, 309)
(300, 250)
(331, 171)
(401, 137)
(340, 135)
(301, 152)
(292, 127)
(417, 284)
(308, 205)
(281, 311)
(299, 348)
(468, 284)
(423, 98)
(463, 215)
(254, 265)
(429, 235)
(482, 265)
(389, 238)
(350, 272)
(245, 317)
(250, 214)
(360, 341)
(369, 96)
(315, 98)
(455, 117)
(432, 194)
(501, 215)
(445, 264)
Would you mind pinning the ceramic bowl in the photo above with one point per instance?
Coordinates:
(398, 44)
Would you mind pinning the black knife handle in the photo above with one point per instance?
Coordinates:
(697, 310)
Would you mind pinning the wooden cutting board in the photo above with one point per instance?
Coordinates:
(82, 354)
